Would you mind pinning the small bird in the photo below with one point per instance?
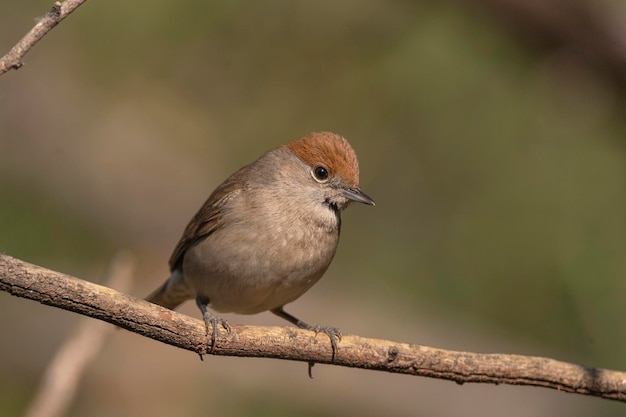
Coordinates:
(266, 234)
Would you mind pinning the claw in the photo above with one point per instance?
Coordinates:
(333, 333)
(214, 321)
(211, 321)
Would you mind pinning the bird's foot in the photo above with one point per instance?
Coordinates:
(333, 333)
(213, 321)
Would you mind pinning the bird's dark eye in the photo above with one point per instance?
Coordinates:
(320, 174)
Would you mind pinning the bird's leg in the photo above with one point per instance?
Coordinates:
(211, 320)
(333, 333)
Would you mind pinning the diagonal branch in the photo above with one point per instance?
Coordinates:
(59, 290)
(13, 59)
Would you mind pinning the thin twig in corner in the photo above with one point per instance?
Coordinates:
(13, 59)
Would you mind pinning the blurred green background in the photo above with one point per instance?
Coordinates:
(496, 158)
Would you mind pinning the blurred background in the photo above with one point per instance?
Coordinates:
(491, 134)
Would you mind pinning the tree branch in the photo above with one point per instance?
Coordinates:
(13, 59)
(62, 376)
(59, 290)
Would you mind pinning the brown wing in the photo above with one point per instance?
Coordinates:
(208, 218)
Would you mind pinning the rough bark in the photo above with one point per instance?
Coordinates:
(63, 291)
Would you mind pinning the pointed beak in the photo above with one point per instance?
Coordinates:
(357, 195)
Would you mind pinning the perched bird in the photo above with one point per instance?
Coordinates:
(267, 233)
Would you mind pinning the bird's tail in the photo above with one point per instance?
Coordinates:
(172, 293)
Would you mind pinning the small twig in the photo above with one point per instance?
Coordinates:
(60, 380)
(56, 289)
(13, 59)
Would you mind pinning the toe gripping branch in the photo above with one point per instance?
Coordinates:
(211, 321)
(333, 333)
